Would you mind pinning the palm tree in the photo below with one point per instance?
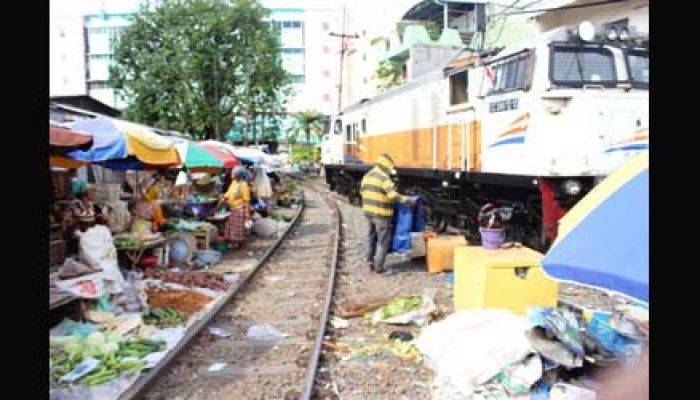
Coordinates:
(306, 122)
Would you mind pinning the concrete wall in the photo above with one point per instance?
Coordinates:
(425, 58)
(636, 10)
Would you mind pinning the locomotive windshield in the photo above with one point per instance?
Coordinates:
(576, 66)
(638, 66)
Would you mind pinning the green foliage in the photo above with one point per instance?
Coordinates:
(307, 123)
(390, 72)
(194, 65)
(304, 153)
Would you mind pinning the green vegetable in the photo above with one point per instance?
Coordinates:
(164, 317)
(401, 306)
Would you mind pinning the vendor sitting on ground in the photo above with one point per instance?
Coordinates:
(148, 214)
(238, 198)
(83, 213)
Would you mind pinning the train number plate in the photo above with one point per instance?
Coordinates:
(503, 105)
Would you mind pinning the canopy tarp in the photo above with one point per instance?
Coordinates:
(222, 152)
(195, 157)
(603, 240)
(62, 140)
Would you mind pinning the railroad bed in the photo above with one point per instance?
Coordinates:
(289, 293)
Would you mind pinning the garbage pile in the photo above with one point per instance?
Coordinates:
(553, 353)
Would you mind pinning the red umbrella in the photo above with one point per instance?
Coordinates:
(220, 151)
(62, 140)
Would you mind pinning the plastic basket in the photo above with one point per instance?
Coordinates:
(492, 238)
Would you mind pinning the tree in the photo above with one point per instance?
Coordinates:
(194, 65)
(308, 123)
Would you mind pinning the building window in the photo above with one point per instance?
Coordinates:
(61, 33)
(458, 88)
(325, 26)
(326, 73)
(326, 97)
(364, 126)
(326, 49)
(364, 56)
(348, 133)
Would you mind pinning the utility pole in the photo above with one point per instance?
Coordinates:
(343, 49)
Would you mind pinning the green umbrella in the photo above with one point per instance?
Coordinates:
(194, 156)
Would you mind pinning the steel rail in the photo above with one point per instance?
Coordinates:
(140, 384)
(309, 378)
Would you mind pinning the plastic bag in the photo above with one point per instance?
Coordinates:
(103, 304)
(68, 327)
(96, 249)
(561, 323)
(418, 316)
(267, 227)
(87, 287)
(265, 332)
(469, 348)
(407, 219)
(609, 338)
(262, 184)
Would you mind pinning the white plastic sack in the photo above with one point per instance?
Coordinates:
(96, 249)
(87, 287)
(263, 186)
(267, 227)
(468, 348)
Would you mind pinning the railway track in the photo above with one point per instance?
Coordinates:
(291, 292)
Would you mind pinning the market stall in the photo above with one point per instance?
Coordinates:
(138, 267)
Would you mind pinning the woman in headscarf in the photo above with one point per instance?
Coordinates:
(238, 198)
(84, 213)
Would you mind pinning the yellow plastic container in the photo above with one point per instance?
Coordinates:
(440, 252)
(505, 278)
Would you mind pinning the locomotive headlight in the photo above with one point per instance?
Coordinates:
(611, 34)
(586, 31)
(624, 34)
(572, 187)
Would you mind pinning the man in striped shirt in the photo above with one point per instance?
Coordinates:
(378, 197)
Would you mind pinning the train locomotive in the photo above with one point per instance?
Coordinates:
(530, 129)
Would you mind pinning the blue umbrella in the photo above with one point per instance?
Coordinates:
(109, 142)
(603, 241)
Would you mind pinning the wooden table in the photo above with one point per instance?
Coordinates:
(134, 255)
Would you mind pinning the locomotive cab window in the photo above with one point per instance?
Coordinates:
(338, 128)
(638, 68)
(512, 73)
(458, 88)
(577, 66)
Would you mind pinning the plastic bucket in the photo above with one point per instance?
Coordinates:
(491, 238)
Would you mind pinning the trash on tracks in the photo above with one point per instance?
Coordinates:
(265, 332)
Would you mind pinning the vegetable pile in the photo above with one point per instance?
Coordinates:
(115, 355)
(164, 317)
(140, 348)
(126, 241)
(181, 300)
(189, 279)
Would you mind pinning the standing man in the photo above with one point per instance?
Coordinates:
(378, 195)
